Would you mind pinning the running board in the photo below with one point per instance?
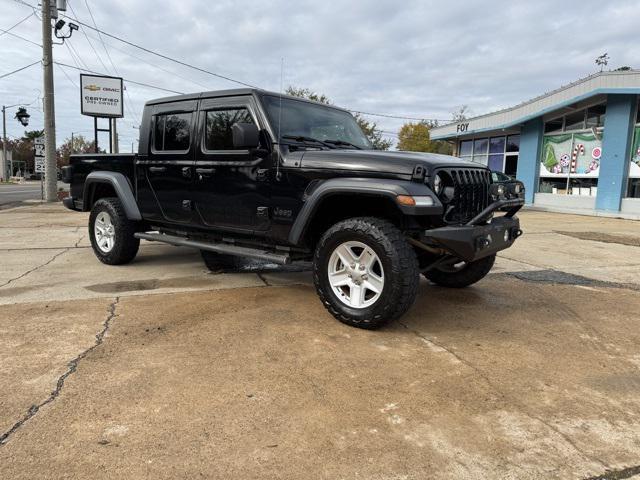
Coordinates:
(223, 248)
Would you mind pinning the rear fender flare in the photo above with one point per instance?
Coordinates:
(389, 188)
(120, 185)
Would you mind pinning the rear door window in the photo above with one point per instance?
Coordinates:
(172, 132)
(218, 125)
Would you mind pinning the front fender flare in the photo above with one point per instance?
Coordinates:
(389, 188)
(121, 186)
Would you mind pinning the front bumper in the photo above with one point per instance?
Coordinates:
(480, 237)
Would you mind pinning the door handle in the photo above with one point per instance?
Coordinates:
(157, 169)
(205, 171)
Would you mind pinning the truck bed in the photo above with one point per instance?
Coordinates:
(85, 163)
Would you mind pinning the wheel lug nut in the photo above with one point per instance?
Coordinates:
(361, 267)
(353, 265)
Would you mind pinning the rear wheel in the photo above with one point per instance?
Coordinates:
(461, 274)
(112, 233)
(365, 272)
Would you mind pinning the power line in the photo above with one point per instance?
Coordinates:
(126, 92)
(399, 117)
(154, 65)
(180, 62)
(125, 79)
(68, 77)
(90, 44)
(2, 30)
(19, 69)
(15, 25)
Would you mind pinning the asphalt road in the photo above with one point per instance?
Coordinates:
(16, 193)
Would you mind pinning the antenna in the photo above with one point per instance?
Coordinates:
(280, 119)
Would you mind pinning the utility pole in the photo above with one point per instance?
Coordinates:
(50, 170)
(115, 144)
(4, 144)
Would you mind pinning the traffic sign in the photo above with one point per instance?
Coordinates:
(38, 145)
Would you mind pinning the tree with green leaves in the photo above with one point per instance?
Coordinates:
(416, 137)
(370, 129)
(76, 144)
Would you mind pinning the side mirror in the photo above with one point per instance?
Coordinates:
(245, 135)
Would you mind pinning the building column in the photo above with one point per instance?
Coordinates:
(616, 145)
(529, 157)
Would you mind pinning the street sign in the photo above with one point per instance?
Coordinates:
(101, 96)
(38, 146)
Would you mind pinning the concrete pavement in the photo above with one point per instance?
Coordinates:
(160, 369)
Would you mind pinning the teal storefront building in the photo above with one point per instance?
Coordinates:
(577, 148)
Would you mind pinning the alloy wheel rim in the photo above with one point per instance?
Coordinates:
(356, 274)
(104, 232)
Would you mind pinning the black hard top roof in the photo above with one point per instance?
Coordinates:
(230, 93)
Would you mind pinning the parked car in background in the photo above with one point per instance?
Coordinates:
(511, 187)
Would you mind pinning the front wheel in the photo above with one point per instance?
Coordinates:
(461, 274)
(112, 233)
(365, 272)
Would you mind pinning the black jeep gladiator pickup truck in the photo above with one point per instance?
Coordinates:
(261, 175)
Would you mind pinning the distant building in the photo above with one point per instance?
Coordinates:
(576, 148)
(5, 164)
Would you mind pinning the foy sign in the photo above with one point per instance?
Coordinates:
(101, 96)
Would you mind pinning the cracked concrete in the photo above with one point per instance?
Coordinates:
(532, 373)
(72, 366)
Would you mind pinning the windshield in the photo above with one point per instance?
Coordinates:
(304, 119)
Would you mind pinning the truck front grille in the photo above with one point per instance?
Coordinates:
(470, 193)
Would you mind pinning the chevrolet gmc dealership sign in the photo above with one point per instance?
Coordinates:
(101, 96)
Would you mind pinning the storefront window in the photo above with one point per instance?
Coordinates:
(498, 153)
(578, 120)
(574, 121)
(496, 145)
(633, 187)
(554, 125)
(595, 116)
(513, 143)
(570, 163)
(466, 148)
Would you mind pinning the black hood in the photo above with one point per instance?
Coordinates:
(396, 162)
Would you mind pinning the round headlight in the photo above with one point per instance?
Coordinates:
(500, 190)
(437, 184)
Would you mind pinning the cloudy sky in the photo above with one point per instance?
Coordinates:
(412, 58)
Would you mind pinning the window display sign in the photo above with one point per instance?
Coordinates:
(576, 155)
(634, 165)
(570, 163)
(101, 96)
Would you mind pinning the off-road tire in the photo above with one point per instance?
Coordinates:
(219, 263)
(401, 272)
(468, 275)
(125, 245)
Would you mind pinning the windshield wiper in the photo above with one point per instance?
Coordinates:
(302, 138)
(342, 142)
